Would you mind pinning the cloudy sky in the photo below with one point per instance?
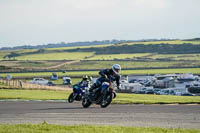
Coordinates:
(35, 22)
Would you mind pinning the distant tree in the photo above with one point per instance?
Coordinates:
(41, 51)
(11, 55)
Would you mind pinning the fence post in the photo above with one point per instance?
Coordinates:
(7, 82)
(17, 83)
(20, 83)
(13, 83)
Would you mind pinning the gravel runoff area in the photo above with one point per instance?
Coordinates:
(170, 116)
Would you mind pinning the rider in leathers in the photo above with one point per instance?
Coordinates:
(85, 82)
(108, 75)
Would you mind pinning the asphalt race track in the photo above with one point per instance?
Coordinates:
(171, 116)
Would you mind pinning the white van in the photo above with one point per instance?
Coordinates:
(67, 81)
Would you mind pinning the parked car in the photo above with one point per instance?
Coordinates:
(40, 81)
(133, 81)
(188, 77)
(167, 92)
(141, 91)
(157, 91)
(194, 89)
(51, 84)
(67, 81)
(145, 91)
(149, 91)
(187, 94)
(164, 81)
(8, 77)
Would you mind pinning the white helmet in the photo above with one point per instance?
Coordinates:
(116, 68)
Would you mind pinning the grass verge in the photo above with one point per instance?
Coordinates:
(33, 94)
(122, 98)
(49, 128)
(95, 73)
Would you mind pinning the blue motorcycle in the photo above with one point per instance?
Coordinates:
(77, 94)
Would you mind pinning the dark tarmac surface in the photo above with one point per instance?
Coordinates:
(171, 116)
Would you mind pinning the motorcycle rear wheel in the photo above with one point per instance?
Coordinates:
(114, 95)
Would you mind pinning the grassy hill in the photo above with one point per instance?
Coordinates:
(152, 54)
(56, 56)
(166, 42)
(163, 47)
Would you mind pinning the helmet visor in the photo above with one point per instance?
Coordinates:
(117, 70)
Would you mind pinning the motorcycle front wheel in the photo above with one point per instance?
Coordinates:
(71, 98)
(107, 100)
(86, 103)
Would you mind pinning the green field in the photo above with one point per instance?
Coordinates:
(33, 94)
(131, 61)
(31, 63)
(129, 64)
(186, 57)
(50, 128)
(131, 43)
(164, 42)
(154, 99)
(95, 73)
(56, 56)
(35, 64)
(60, 54)
(66, 48)
(2, 54)
(147, 56)
(91, 64)
(25, 51)
(118, 56)
(41, 74)
(121, 98)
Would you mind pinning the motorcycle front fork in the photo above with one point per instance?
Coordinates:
(75, 95)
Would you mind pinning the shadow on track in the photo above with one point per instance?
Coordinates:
(67, 108)
(61, 108)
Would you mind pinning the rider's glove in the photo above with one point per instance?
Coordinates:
(106, 77)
